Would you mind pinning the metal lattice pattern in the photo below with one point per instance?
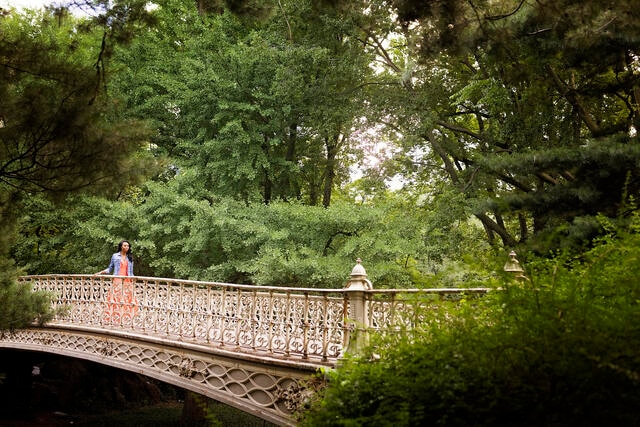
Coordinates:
(277, 322)
(393, 309)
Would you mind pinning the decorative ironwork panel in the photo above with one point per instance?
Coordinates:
(268, 392)
(407, 309)
(307, 324)
(279, 322)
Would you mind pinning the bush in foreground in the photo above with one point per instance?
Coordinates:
(561, 349)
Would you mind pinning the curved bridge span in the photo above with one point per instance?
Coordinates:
(251, 347)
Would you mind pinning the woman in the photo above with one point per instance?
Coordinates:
(122, 305)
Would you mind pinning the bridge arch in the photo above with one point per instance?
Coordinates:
(270, 390)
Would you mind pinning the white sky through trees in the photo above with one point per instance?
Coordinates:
(31, 4)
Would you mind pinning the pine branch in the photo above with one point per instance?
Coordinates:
(571, 95)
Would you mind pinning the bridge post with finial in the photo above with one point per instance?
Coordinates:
(356, 333)
(513, 266)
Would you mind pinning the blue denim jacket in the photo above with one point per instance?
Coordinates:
(114, 266)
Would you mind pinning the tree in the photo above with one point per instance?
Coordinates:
(186, 223)
(58, 135)
(261, 110)
(539, 121)
(402, 243)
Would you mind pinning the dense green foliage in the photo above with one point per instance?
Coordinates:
(57, 134)
(19, 306)
(259, 112)
(528, 109)
(277, 106)
(256, 123)
(282, 243)
(559, 349)
(254, 142)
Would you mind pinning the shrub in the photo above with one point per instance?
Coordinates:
(561, 349)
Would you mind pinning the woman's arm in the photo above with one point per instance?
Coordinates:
(108, 269)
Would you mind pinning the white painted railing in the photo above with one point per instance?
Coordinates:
(301, 323)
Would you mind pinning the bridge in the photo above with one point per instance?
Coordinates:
(252, 347)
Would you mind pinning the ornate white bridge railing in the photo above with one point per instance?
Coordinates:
(275, 322)
(311, 325)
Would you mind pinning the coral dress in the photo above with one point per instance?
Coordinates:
(122, 304)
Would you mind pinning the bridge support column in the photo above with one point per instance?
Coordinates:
(357, 334)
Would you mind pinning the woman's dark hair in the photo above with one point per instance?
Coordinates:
(128, 252)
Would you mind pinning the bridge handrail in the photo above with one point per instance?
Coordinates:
(26, 278)
(287, 322)
(182, 281)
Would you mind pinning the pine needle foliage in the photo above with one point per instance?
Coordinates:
(19, 305)
(529, 109)
(59, 134)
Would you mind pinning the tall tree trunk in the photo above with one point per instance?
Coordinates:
(331, 145)
(288, 185)
(524, 232)
(314, 194)
(491, 227)
(267, 185)
(291, 143)
(267, 188)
